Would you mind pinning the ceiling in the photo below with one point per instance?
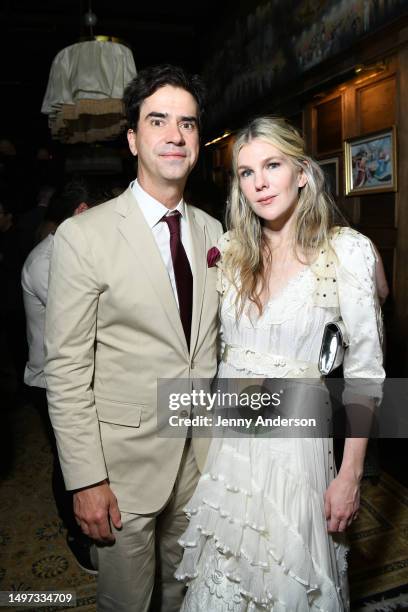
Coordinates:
(34, 32)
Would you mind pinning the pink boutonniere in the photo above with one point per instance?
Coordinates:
(213, 256)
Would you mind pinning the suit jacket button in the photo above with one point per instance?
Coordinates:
(184, 413)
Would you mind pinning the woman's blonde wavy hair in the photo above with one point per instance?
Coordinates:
(248, 257)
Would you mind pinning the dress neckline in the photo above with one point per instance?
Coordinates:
(293, 280)
(280, 307)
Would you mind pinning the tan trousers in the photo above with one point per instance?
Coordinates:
(146, 547)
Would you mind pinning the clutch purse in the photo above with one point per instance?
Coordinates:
(334, 344)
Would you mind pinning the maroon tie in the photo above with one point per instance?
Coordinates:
(182, 273)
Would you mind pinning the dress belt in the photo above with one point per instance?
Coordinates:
(267, 364)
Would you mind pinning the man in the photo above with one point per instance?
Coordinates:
(74, 197)
(131, 300)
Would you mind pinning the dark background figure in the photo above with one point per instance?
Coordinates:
(13, 346)
(205, 194)
(74, 197)
(30, 222)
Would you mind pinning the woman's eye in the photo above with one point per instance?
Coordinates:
(245, 173)
(273, 165)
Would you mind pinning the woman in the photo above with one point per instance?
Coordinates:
(268, 514)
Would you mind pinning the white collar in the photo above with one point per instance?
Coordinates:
(153, 210)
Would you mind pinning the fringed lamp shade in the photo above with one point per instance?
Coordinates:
(83, 100)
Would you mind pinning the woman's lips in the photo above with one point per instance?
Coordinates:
(267, 200)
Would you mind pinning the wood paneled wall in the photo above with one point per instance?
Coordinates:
(375, 99)
(401, 259)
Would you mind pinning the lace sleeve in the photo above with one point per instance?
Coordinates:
(222, 285)
(223, 244)
(360, 310)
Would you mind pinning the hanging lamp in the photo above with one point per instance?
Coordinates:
(83, 99)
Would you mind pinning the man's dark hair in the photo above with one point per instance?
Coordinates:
(66, 199)
(150, 79)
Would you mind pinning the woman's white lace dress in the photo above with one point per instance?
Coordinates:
(257, 537)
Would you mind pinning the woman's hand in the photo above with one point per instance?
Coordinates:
(342, 501)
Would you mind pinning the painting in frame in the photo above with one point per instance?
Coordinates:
(370, 163)
(330, 167)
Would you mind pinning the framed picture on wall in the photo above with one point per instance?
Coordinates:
(330, 168)
(370, 163)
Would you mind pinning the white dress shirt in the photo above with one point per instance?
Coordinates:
(34, 280)
(153, 211)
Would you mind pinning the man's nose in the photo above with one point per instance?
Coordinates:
(174, 134)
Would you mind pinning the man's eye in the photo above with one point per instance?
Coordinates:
(157, 122)
(188, 125)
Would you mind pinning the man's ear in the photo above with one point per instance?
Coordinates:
(82, 207)
(131, 136)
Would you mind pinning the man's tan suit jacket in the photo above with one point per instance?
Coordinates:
(112, 329)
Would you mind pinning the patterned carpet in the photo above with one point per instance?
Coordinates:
(378, 566)
(33, 552)
(34, 556)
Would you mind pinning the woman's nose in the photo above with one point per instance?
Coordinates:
(261, 181)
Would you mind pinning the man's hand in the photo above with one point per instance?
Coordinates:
(93, 508)
(341, 502)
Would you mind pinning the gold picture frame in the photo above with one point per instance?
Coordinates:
(370, 163)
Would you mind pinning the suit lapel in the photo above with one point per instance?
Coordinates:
(199, 266)
(134, 229)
